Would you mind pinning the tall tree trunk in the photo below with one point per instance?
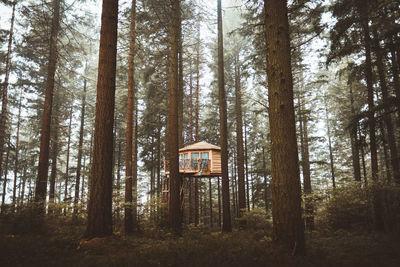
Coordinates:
(191, 120)
(219, 203)
(362, 143)
(80, 150)
(385, 157)
(211, 204)
(173, 130)
(197, 118)
(152, 181)
(197, 107)
(99, 221)
(23, 189)
(4, 95)
(66, 198)
(368, 76)
(118, 182)
(16, 165)
(180, 81)
(363, 9)
(247, 168)
(41, 182)
(6, 167)
(309, 206)
(395, 72)
(264, 173)
(196, 201)
(5, 180)
(226, 225)
(387, 116)
(134, 168)
(128, 222)
(54, 155)
(233, 178)
(158, 167)
(305, 159)
(288, 228)
(252, 189)
(328, 133)
(354, 141)
(239, 144)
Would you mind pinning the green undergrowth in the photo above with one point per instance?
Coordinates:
(61, 245)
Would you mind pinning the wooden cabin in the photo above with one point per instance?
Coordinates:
(197, 160)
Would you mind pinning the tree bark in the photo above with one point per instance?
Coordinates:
(41, 182)
(288, 228)
(226, 225)
(175, 220)
(180, 81)
(99, 222)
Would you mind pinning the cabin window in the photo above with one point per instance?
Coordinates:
(195, 161)
(186, 160)
(180, 161)
(204, 161)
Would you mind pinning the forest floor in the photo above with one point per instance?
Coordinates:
(61, 245)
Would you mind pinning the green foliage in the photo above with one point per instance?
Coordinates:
(351, 208)
(257, 219)
(347, 208)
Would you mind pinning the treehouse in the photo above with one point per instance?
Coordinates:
(197, 160)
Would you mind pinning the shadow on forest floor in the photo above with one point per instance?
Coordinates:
(61, 246)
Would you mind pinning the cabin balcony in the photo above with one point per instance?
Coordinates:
(191, 166)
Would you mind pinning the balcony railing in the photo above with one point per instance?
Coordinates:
(193, 165)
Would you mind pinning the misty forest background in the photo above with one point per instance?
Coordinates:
(345, 60)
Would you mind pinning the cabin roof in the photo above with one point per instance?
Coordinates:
(200, 146)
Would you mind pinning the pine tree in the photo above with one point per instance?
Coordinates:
(130, 127)
(173, 129)
(226, 224)
(288, 229)
(99, 207)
